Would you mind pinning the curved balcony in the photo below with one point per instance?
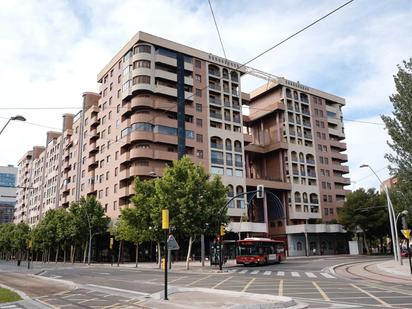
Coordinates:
(141, 153)
(139, 87)
(166, 75)
(143, 56)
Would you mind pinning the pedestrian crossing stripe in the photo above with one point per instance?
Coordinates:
(282, 273)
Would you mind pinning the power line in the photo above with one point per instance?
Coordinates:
(217, 29)
(365, 177)
(296, 33)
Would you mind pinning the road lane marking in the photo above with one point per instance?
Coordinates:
(247, 285)
(311, 275)
(243, 271)
(215, 286)
(295, 274)
(267, 273)
(233, 270)
(198, 280)
(326, 275)
(254, 272)
(321, 292)
(370, 295)
(280, 290)
(281, 273)
(171, 281)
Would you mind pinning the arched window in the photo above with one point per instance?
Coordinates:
(294, 156)
(301, 157)
(234, 76)
(239, 189)
(214, 70)
(230, 191)
(297, 197)
(228, 144)
(305, 197)
(310, 159)
(288, 93)
(299, 246)
(216, 142)
(295, 95)
(314, 198)
(225, 73)
(238, 146)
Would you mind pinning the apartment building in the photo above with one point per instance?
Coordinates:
(8, 178)
(159, 100)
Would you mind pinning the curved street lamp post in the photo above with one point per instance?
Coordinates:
(392, 219)
(17, 117)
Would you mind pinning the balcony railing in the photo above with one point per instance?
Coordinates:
(214, 72)
(227, 103)
(305, 112)
(216, 145)
(314, 201)
(308, 136)
(215, 101)
(306, 124)
(312, 174)
(238, 149)
(215, 115)
(235, 92)
(310, 161)
(236, 119)
(296, 173)
(236, 106)
(214, 86)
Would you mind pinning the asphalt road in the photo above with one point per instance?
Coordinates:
(307, 280)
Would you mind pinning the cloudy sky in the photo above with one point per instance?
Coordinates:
(51, 52)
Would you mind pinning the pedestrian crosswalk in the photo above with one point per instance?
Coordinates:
(294, 274)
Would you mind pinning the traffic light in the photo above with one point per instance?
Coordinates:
(222, 230)
(111, 243)
(260, 191)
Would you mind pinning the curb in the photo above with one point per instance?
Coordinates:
(70, 283)
(20, 293)
(279, 301)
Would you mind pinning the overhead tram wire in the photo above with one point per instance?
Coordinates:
(266, 51)
(296, 33)
(217, 28)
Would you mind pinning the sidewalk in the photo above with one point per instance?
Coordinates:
(394, 268)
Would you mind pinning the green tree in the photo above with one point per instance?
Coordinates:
(365, 210)
(193, 198)
(399, 128)
(145, 217)
(89, 220)
(20, 237)
(6, 247)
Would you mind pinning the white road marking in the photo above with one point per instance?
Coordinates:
(311, 275)
(243, 271)
(104, 273)
(295, 274)
(254, 272)
(196, 281)
(326, 275)
(247, 285)
(215, 286)
(281, 273)
(321, 292)
(373, 296)
(267, 273)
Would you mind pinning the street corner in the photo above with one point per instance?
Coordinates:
(211, 298)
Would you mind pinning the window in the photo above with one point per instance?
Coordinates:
(198, 92)
(141, 79)
(199, 122)
(217, 170)
(119, 79)
(199, 107)
(229, 172)
(198, 64)
(141, 64)
(299, 246)
(239, 173)
(114, 205)
(108, 159)
(111, 86)
(116, 170)
(331, 211)
(199, 154)
(115, 188)
(326, 210)
(109, 129)
(110, 115)
(104, 117)
(199, 138)
(118, 93)
(100, 193)
(116, 155)
(198, 78)
(118, 108)
(107, 191)
(143, 49)
(107, 175)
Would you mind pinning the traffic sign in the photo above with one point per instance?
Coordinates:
(406, 233)
(172, 243)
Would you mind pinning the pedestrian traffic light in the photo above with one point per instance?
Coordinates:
(260, 193)
(111, 243)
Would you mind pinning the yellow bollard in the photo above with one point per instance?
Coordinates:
(163, 263)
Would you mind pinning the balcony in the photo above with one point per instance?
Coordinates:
(312, 174)
(310, 161)
(341, 168)
(216, 145)
(305, 112)
(215, 115)
(214, 72)
(307, 135)
(340, 156)
(215, 101)
(235, 93)
(236, 106)
(214, 87)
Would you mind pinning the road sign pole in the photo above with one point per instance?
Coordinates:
(165, 226)
(409, 255)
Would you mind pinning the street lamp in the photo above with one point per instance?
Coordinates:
(18, 117)
(394, 234)
(402, 213)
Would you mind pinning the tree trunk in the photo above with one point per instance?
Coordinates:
(159, 255)
(64, 253)
(137, 254)
(189, 252)
(365, 243)
(74, 254)
(48, 255)
(120, 253)
(85, 252)
(57, 253)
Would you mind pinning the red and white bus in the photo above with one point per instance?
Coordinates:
(260, 251)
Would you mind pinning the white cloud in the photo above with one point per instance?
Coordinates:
(53, 51)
